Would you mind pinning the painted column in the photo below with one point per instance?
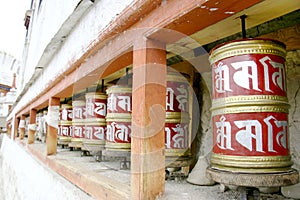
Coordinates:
(22, 127)
(31, 126)
(15, 123)
(52, 128)
(148, 119)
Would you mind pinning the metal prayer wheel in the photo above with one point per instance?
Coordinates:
(95, 123)
(177, 93)
(250, 107)
(65, 124)
(95, 106)
(78, 123)
(177, 116)
(42, 125)
(118, 119)
(177, 134)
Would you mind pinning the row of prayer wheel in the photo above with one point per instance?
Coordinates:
(104, 120)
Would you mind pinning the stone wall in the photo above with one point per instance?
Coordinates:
(293, 88)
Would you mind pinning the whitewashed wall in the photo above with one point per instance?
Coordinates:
(45, 21)
(25, 178)
(76, 44)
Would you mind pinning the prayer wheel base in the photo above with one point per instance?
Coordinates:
(116, 154)
(62, 140)
(183, 161)
(94, 149)
(75, 145)
(123, 156)
(290, 177)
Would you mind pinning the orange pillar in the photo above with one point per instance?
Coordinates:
(148, 120)
(8, 128)
(22, 127)
(52, 128)
(31, 126)
(15, 125)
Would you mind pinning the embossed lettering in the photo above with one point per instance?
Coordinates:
(223, 134)
(222, 78)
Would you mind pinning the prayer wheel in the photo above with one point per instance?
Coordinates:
(177, 93)
(177, 135)
(95, 123)
(78, 124)
(118, 119)
(177, 119)
(41, 125)
(250, 110)
(65, 124)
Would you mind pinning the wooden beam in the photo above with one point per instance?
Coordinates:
(31, 126)
(52, 125)
(172, 15)
(148, 119)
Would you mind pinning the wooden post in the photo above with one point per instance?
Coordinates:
(148, 120)
(15, 123)
(22, 127)
(52, 125)
(8, 128)
(31, 126)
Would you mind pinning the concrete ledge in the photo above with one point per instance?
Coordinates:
(99, 187)
(34, 168)
(25, 178)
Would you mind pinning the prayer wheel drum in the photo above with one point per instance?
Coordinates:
(250, 108)
(95, 123)
(177, 134)
(177, 121)
(65, 124)
(177, 94)
(118, 119)
(78, 124)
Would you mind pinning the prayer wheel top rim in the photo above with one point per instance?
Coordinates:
(96, 95)
(65, 106)
(78, 103)
(119, 89)
(246, 47)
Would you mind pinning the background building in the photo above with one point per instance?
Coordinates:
(9, 70)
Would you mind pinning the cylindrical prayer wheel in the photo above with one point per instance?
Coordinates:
(65, 124)
(177, 134)
(95, 106)
(177, 94)
(250, 107)
(79, 113)
(118, 119)
(78, 123)
(95, 126)
(177, 117)
(42, 125)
